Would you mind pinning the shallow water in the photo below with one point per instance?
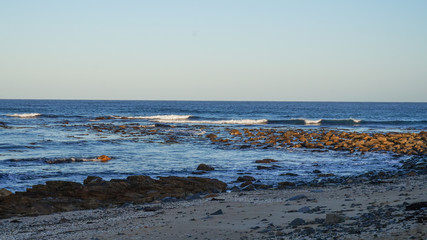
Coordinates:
(33, 132)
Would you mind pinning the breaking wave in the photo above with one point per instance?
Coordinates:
(158, 117)
(236, 122)
(24, 115)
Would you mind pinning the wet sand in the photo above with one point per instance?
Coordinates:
(355, 211)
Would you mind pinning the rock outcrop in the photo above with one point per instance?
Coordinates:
(60, 196)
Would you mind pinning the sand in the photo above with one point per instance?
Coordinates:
(368, 211)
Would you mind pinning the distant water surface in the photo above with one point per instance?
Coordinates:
(34, 132)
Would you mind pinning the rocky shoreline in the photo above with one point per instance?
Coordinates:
(393, 209)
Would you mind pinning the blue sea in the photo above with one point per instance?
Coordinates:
(36, 132)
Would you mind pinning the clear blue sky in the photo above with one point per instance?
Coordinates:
(367, 50)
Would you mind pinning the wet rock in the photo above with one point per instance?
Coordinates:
(289, 174)
(267, 160)
(204, 167)
(59, 196)
(297, 222)
(283, 185)
(104, 158)
(332, 218)
(267, 168)
(235, 132)
(4, 192)
(249, 187)
(219, 212)
(245, 178)
(297, 197)
(305, 210)
(325, 175)
(416, 206)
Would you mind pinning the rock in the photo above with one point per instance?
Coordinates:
(305, 210)
(104, 158)
(325, 175)
(267, 160)
(249, 187)
(59, 196)
(245, 178)
(4, 192)
(297, 197)
(235, 132)
(289, 174)
(219, 212)
(267, 168)
(283, 185)
(316, 171)
(332, 218)
(93, 180)
(416, 206)
(204, 167)
(297, 222)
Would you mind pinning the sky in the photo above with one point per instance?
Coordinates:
(243, 50)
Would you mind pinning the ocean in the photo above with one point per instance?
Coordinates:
(43, 140)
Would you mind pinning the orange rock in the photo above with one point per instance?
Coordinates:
(104, 158)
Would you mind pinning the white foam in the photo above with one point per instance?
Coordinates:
(236, 122)
(312, 122)
(159, 117)
(24, 115)
(355, 120)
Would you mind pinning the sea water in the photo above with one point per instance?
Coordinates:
(35, 133)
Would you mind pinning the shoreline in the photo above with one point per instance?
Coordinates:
(350, 211)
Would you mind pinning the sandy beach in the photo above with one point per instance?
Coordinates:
(393, 209)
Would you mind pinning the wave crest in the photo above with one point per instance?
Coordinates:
(24, 115)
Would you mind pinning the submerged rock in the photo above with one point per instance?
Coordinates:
(204, 167)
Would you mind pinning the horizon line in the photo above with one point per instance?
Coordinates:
(175, 100)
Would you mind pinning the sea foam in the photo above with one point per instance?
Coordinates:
(236, 122)
(24, 115)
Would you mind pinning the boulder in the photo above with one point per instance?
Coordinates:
(204, 167)
(267, 160)
(59, 196)
(4, 192)
(104, 158)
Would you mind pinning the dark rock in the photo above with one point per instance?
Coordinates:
(245, 178)
(305, 210)
(267, 160)
(289, 174)
(297, 197)
(267, 168)
(297, 222)
(204, 167)
(4, 192)
(332, 218)
(416, 206)
(316, 171)
(219, 212)
(283, 185)
(59, 196)
(250, 187)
